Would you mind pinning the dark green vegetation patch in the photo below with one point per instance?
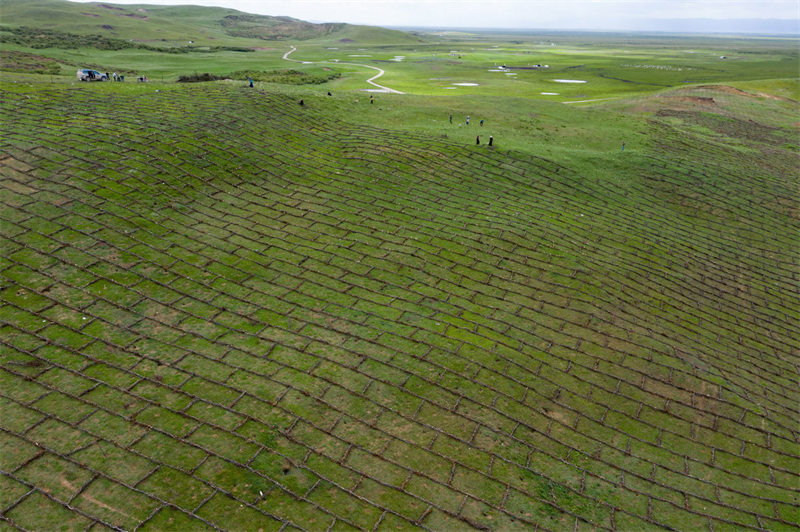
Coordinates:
(12, 61)
(222, 309)
(284, 76)
(39, 38)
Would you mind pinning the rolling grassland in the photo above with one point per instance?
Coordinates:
(176, 26)
(222, 309)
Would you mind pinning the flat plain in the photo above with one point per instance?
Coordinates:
(225, 310)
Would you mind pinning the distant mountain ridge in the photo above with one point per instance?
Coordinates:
(211, 26)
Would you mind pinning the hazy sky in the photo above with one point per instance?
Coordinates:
(566, 14)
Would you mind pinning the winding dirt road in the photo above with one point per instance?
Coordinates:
(371, 81)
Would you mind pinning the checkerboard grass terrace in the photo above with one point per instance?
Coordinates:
(221, 310)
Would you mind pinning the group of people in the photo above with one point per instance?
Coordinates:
(451, 119)
(372, 101)
(478, 138)
(121, 77)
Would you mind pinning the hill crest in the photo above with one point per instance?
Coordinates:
(181, 24)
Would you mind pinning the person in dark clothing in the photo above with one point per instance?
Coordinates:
(491, 139)
(251, 81)
(451, 119)
(301, 102)
(478, 139)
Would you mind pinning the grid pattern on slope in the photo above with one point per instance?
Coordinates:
(332, 348)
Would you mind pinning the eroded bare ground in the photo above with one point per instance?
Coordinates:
(220, 310)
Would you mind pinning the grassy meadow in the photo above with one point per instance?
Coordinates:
(222, 310)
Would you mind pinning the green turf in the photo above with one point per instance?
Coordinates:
(223, 309)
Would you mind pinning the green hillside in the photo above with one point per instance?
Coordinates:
(177, 25)
(303, 306)
(225, 310)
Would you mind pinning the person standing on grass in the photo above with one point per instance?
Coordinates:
(467, 119)
(478, 140)
(371, 99)
(623, 145)
(451, 119)
(491, 139)
(481, 122)
(250, 80)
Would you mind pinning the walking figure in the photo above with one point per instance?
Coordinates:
(467, 119)
(301, 102)
(251, 81)
(623, 145)
(478, 139)
(491, 139)
(451, 119)
(371, 99)
(481, 122)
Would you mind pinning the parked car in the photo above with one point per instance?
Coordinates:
(86, 74)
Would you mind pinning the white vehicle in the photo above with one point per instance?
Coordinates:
(86, 74)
